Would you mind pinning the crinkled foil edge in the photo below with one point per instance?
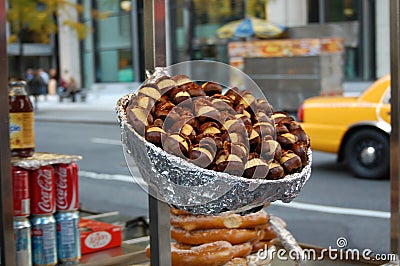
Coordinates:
(43, 158)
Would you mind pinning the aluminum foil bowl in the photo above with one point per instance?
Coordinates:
(186, 186)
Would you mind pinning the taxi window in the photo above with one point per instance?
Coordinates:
(386, 98)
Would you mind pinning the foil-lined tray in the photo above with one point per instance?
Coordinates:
(39, 159)
(186, 186)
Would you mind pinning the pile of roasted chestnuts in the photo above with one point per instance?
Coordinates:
(218, 128)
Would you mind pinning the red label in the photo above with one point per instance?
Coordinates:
(66, 176)
(21, 197)
(43, 192)
(37, 232)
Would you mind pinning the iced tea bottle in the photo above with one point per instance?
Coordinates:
(21, 115)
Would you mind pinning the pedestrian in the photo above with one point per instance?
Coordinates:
(72, 89)
(69, 83)
(28, 74)
(45, 78)
(35, 85)
(53, 85)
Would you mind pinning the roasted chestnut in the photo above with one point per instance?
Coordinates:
(290, 162)
(264, 129)
(201, 156)
(238, 149)
(286, 140)
(177, 144)
(234, 125)
(263, 106)
(233, 93)
(248, 100)
(278, 116)
(181, 79)
(269, 149)
(300, 149)
(144, 102)
(229, 163)
(162, 110)
(256, 168)
(301, 136)
(211, 128)
(211, 88)
(281, 129)
(181, 97)
(222, 103)
(293, 125)
(181, 127)
(165, 83)
(139, 118)
(150, 90)
(194, 90)
(254, 140)
(206, 112)
(275, 171)
(155, 135)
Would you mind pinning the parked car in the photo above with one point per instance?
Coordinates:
(356, 128)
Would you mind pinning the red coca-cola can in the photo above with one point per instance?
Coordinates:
(21, 197)
(42, 184)
(67, 193)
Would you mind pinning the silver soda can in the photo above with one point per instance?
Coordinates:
(22, 235)
(68, 237)
(44, 242)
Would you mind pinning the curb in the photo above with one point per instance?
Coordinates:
(75, 121)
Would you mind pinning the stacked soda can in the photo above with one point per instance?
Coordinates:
(67, 215)
(21, 225)
(55, 216)
(44, 240)
(46, 216)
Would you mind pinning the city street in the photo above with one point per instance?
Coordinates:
(333, 203)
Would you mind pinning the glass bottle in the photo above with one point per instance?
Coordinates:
(21, 115)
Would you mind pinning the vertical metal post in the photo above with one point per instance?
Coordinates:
(134, 40)
(321, 11)
(155, 56)
(367, 14)
(6, 204)
(395, 134)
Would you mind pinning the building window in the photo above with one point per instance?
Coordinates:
(113, 43)
(359, 55)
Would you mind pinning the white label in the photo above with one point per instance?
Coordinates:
(98, 239)
(26, 206)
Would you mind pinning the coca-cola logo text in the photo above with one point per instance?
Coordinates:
(61, 188)
(45, 183)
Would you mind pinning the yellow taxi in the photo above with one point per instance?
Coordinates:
(356, 128)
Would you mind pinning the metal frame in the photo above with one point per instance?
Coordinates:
(6, 207)
(395, 135)
(135, 44)
(156, 56)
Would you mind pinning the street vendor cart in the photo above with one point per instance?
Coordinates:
(159, 211)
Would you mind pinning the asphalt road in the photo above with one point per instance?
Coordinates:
(332, 205)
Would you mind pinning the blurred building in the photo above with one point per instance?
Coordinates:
(112, 54)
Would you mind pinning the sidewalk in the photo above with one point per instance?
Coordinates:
(99, 106)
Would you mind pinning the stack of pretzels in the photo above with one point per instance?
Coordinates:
(225, 239)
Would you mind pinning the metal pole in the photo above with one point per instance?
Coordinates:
(155, 56)
(395, 134)
(135, 41)
(6, 206)
(321, 11)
